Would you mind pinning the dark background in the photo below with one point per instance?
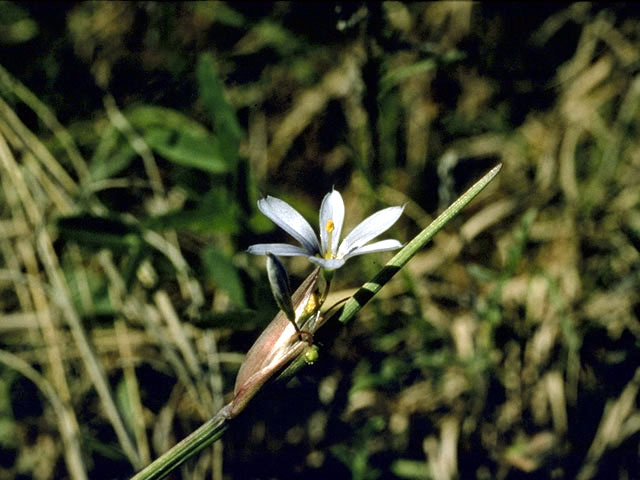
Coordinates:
(143, 135)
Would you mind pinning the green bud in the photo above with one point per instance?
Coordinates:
(279, 281)
(311, 354)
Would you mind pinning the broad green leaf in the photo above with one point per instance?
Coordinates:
(201, 220)
(227, 128)
(184, 148)
(143, 117)
(224, 274)
(179, 139)
(212, 93)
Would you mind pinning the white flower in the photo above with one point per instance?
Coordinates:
(326, 252)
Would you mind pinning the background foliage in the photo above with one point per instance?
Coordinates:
(135, 139)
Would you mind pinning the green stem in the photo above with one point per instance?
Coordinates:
(201, 438)
(369, 289)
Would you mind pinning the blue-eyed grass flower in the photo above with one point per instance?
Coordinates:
(328, 252)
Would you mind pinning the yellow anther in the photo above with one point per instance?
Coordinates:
(312, 304)
(329, 228)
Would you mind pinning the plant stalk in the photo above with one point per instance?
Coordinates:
(369, 289)
(201, 438)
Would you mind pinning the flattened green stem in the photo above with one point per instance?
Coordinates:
(369, 289)
(201, 438)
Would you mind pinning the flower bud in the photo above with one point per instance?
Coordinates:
(279, 343)
(311, 354)
(279, 281)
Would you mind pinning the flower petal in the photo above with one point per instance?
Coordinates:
(369, 228)
(330, 264)
(280, 249)
(381, 246)
(288, 218)
(331, 220)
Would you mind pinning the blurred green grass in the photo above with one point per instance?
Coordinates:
(134, 143)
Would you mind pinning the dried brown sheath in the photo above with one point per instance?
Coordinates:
(278, 344)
